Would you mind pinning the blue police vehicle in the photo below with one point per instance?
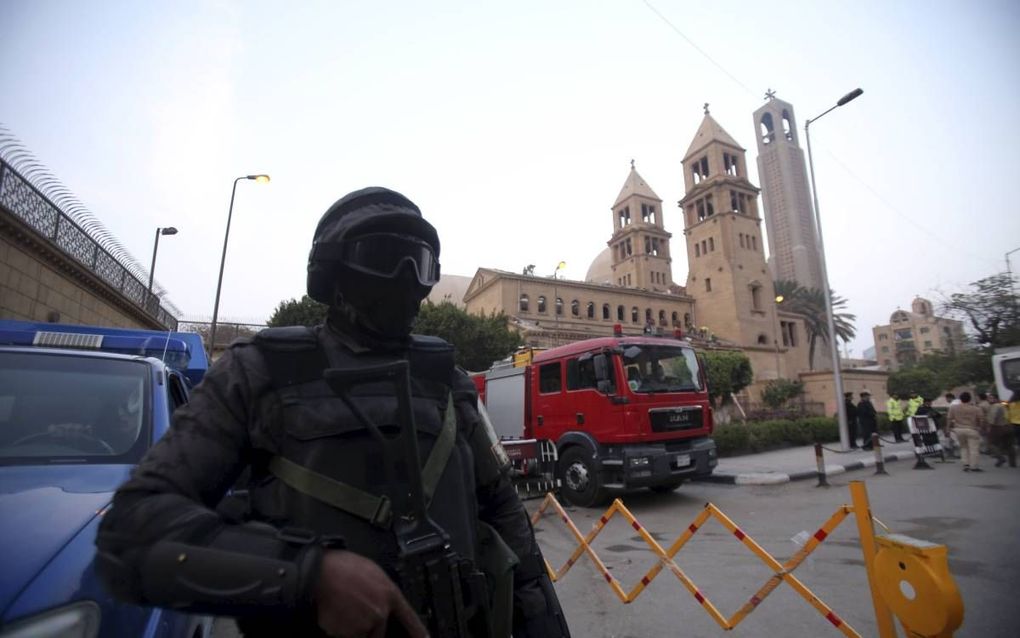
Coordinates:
(79, 407)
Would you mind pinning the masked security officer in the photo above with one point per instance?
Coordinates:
(315, 552)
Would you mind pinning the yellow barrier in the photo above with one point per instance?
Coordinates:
(890, 561)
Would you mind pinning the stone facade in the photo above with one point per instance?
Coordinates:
(911, 335)
(789, 218)
(39, 283)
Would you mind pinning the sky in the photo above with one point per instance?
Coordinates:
(512, 125)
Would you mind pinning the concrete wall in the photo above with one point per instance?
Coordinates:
(39, 284)
(818, 386)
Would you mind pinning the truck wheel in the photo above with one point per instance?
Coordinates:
(667, 488)
(580, 483)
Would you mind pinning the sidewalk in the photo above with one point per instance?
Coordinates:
(798, 463)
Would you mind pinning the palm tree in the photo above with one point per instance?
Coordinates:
(810, 303)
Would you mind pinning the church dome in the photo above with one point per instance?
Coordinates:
(601, 269)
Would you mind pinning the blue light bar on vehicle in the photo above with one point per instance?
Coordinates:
(173, 352)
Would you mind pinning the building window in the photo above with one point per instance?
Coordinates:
(655, 246)
(648, 316)
(883, 337)
(742, 240)
(787, 125)
(708, 284)
(885, 349)
(605, 311)
(768, 132)
(541, 303)
(699, 169)
(559, 306)
(763, 340)
(924, 330)
(687, 320)
(756, 297)
(927, 344)
(619, 313)
(662, 317)
(634, 314)
(676, 318)
(903, 334)
(524, 303)
(624, 215)
(730, 164)
(630, 251)
(648, 213)
(704, 246)
(575, 308)
(754, 243)
(711, 244)
(709, 209)
(697, 249)
(591, 309)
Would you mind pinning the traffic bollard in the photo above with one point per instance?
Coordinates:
(876, 444)
(822, 482)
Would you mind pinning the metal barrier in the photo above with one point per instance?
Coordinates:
(890, 560)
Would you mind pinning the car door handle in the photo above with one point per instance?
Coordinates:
(580, 418)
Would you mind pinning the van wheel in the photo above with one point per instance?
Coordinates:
(667, 488)
(580, 483)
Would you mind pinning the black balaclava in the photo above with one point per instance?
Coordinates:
(379, 308)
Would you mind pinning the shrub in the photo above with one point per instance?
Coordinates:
(757, 436)
(778, 391)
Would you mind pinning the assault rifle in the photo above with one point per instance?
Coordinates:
(445, 590)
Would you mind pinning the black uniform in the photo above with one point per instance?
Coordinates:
(851, 420)
(264, 403)
(867, 418)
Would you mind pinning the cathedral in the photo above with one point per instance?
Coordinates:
(727, 300)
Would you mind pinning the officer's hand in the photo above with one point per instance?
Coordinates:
(355, 598)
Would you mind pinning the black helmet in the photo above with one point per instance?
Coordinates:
(373, 232)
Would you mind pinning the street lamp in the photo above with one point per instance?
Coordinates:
(1009, 273)
(261, 179)
(775, 341)
(837, 373)
(152, 269)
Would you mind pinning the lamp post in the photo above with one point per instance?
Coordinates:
(261, 179)
(837, 373)
(1009, 273)
(775, 341)
(152, 269)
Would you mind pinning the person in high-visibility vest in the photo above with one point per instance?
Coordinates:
(1013, 414)
(894, 409)
(913, 404)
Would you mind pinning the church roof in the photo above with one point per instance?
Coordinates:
(635, 185)
(710, 131)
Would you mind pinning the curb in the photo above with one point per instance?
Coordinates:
(776, 478)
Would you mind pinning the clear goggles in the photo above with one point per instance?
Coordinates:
(384, 254)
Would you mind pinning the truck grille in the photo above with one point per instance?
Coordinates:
(672, 419)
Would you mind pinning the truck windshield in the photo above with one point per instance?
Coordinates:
(661, 368)
(65, 409)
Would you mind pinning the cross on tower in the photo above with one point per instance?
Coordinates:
(706, 108)
(770, 95)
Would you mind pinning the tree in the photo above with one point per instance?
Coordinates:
(914, 381)
(478, 339)
(778, 391)
(972, 367)
(990, 310)
(810, 304)
(728, 373)
(306, 312)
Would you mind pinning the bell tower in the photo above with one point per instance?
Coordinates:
(727, 273)
(640, 243)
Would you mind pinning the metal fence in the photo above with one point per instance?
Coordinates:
(24, 200)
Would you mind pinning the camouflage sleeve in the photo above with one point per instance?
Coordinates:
(537, 612)
(164, 513)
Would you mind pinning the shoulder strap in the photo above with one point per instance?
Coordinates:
(375, 509)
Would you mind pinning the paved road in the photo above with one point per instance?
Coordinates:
(976, 515)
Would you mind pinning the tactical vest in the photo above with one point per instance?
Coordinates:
(318, 432)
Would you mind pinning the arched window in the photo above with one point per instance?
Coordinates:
(524, 303)
(662, 317)
(541, 303)
(687, 320)
(591, 309)
(763, 340)
(619, 313)
(787, 125)
(605, 311)
(575, 308)
(634, 314)
(559, 306)
(648, 316)
(755, 297)
(768, 129)
(676, 318)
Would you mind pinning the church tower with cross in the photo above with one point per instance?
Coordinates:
(789, 218)
(727, 274)
(640, 244)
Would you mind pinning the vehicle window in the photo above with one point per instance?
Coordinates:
(549, 378)
(581, 374)
(661, 369)
(57, 408)
(177, 395)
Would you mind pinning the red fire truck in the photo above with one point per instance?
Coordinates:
(616, 412)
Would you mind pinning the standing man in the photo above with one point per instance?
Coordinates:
(867, 418)
(324, 544)
(1000, 432)
(967, 421)
(851, 419)
(894, 409)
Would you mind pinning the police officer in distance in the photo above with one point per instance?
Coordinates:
(309, 560)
